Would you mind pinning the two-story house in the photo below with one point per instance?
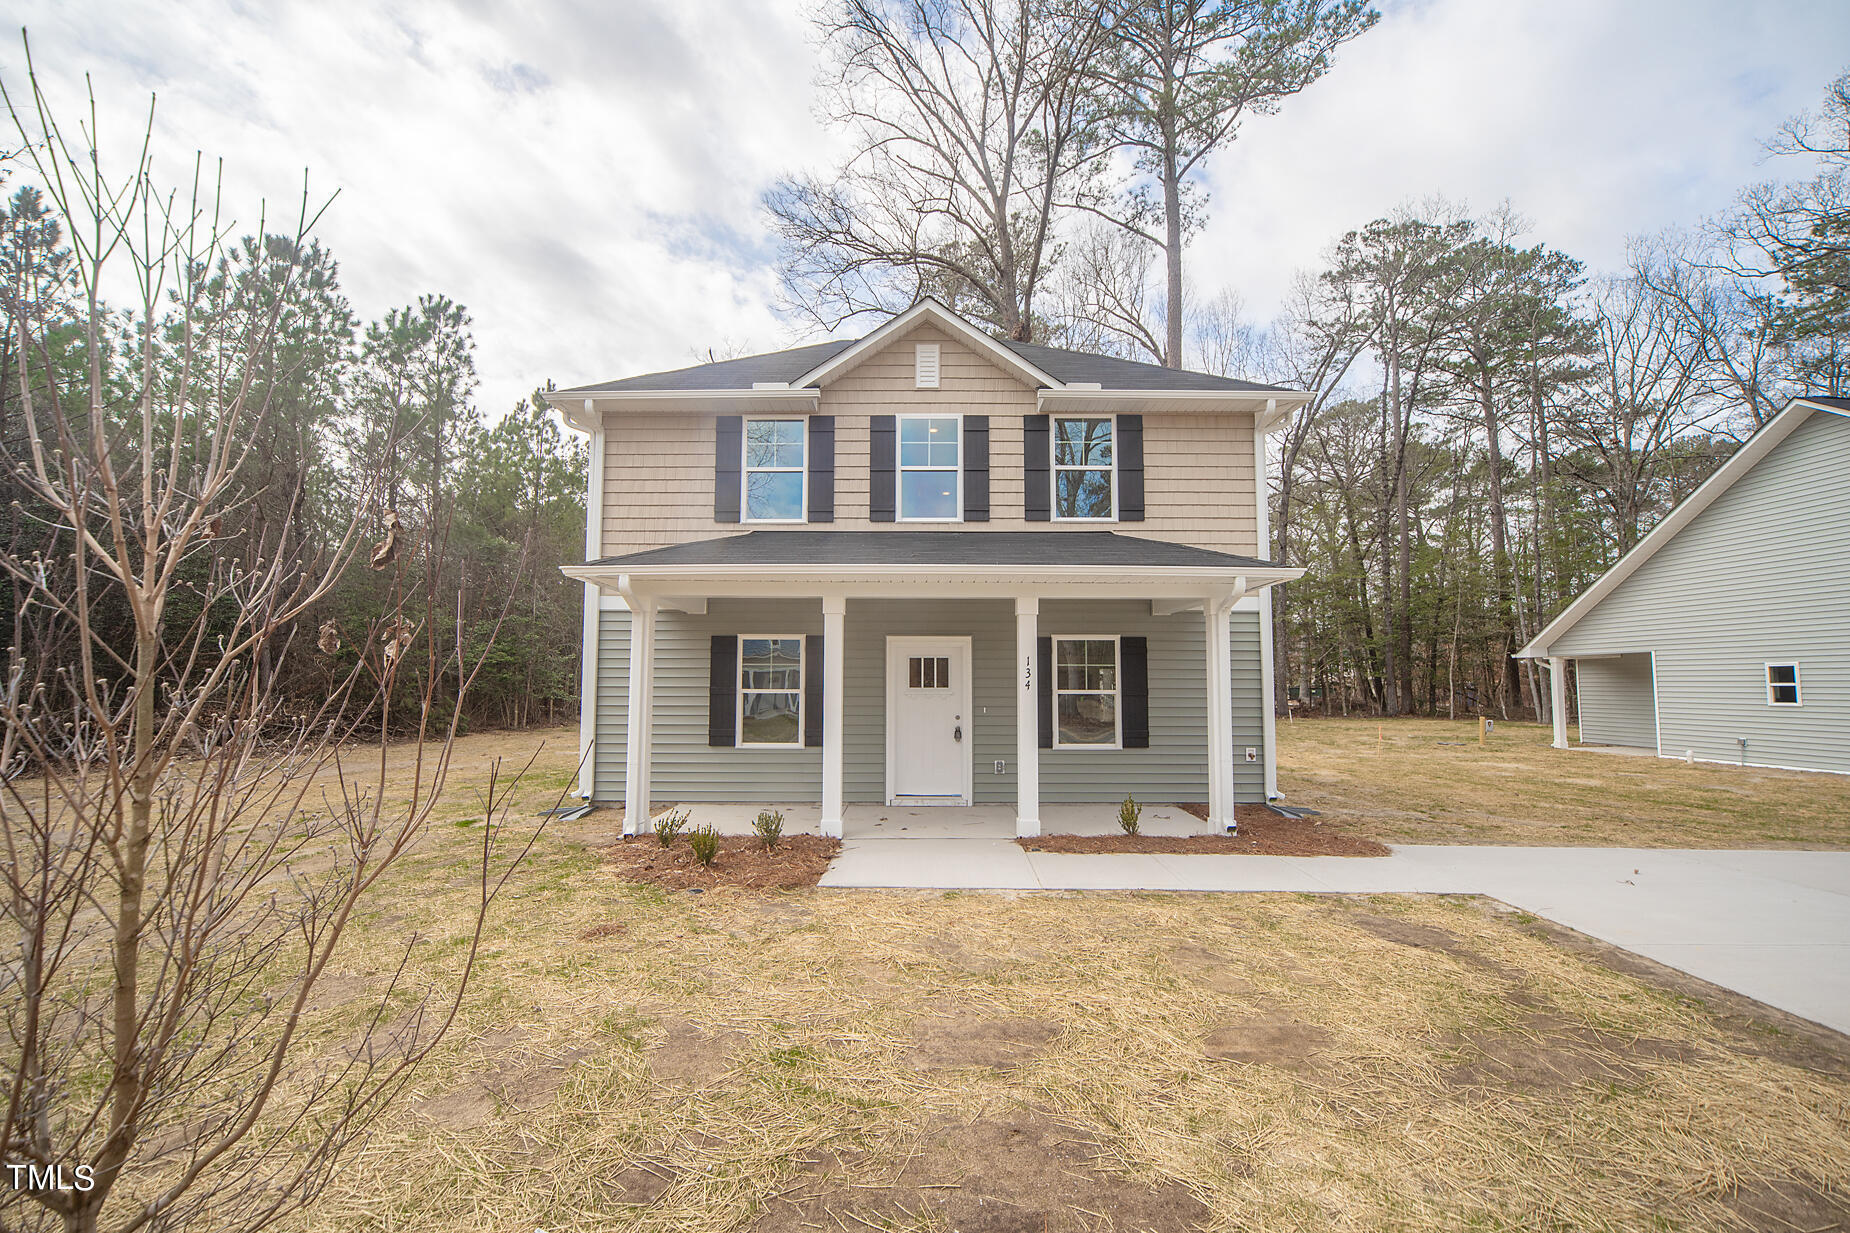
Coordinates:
(930, 567)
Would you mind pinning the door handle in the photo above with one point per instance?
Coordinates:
(957, 733)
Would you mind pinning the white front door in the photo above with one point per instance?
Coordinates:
(928, 721)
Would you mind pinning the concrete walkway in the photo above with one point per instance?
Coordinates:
(1772, 925)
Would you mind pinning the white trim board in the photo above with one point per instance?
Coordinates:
(1757, 447)
(938, 314)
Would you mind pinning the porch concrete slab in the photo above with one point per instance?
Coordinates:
(737, 819)
(962, 864)
(1102, 819)
(928, 822)
(1774, 926)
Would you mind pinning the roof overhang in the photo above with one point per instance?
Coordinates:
(949, 581)
(1273, 407)
(938, 314)
(583, 410)
(1757, 447)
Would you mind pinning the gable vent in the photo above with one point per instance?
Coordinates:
(926, 366)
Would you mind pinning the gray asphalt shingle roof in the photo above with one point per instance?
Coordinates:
(787, 366)
(902, 548)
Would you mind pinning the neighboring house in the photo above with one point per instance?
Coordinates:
(927, 567)
(1725, 634)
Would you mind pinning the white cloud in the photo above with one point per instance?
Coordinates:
(1595, 120)
(585, 177)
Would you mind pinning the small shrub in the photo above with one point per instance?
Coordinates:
(670, 825)
(704, 841)
(770, 827)
(1128, 814)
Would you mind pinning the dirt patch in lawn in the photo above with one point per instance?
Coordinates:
(1019, 1172)
(969, 1041)
(692, 1057)
(1271, 1040)
(1262, 833)
(797, 861)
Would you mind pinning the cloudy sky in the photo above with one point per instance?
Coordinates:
(585, 177)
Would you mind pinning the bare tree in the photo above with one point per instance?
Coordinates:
(971, 125)
(183, 854)
(1177, 77)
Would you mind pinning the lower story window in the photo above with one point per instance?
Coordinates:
(1085, 677)
(771, 690)
(1782, 685)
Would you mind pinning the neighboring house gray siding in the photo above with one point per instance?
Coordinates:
(1762, 574)
(1616, 703)
(1173, 768)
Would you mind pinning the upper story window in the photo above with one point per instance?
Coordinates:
(1084, 468)
(1782, 685)
(774, 470)
(930, 468)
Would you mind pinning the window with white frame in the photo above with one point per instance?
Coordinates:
(930, 468)
(1084, 468)
(1782, 685)
(771, 690)
(774, 471)
(1085, 692)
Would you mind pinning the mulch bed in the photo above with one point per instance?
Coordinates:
(1262, 833)
(797, 861)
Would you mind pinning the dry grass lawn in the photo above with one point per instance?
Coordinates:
(1428, 781)
(641, 1059)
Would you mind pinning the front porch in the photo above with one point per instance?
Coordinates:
(1017, 674)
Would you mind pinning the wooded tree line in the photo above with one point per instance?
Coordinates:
(1493, 424)
(351, 414)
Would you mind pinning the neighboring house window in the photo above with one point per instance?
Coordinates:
(930, 474)
(1085, 678)
(771, 690)
(774, 471)
(1782, 685)
(1084, 468)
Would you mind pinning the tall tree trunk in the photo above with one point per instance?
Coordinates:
(1172, 250)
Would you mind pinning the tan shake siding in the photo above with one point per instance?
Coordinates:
(1198, 469)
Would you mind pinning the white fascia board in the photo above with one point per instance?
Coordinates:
(931, 310)
(693, 581)
(722, 401)
(1757, 447)
(1271, 407)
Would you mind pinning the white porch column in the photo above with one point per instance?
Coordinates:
(1217, 628)
(834, 619)
(1027, 717)
(1557, 689)
(641, 713)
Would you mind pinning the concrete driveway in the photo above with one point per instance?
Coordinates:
(1772, 925)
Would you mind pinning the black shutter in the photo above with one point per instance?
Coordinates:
(883, 458)
(822, 468)
(728, 443)
(1036, 494)
(1134, 691)
(1130, 469)
(812, 690)
(723, 691)
(976, 468)
(1044, 696)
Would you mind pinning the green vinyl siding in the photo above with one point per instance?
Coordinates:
(1616, 702)
(686, 768)
(1762, 574)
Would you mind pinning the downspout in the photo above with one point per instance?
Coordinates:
(588, 653)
